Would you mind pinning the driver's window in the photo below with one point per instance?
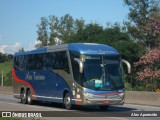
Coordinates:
(75, 68)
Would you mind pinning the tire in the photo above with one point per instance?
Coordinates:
(67, 101)
(29, 97)
(104, 108)
(23, 97)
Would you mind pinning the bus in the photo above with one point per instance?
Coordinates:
(72, 74)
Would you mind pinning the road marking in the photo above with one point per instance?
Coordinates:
(118, 118)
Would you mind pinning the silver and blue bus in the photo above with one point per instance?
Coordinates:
(72, 74)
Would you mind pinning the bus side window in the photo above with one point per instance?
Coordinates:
(16, 63)
(19, 63)
(47, 64)
(38, 63)
(64, 61)
(27, 62)
(22, 63)
(59, 61)
(30, 63)
(56, 61)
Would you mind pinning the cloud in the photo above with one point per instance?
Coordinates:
(37, 42)
(31, 46)
(10, 49)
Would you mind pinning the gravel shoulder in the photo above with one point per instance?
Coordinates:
(6, 90)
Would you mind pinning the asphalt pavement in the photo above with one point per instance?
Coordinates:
(115, 112)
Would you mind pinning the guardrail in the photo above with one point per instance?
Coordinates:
(143, 98)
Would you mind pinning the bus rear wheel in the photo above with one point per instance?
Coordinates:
(23, 97)
(67, 101)
(29, 97)
(104, 108)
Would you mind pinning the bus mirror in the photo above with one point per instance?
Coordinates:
(128, 65)
(80, 64)
(81, 67)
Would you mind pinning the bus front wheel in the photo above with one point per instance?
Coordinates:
(23, 97)
(67, 101)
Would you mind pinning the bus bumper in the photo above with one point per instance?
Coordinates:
(104, 99)
(104, 102)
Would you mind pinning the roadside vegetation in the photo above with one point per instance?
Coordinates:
(138, 37)
(5, 69)
(137, 40)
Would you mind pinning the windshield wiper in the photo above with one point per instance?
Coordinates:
(104, 75)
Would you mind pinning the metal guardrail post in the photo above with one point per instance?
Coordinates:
(2, 79)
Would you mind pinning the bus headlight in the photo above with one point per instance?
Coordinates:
(121, 90)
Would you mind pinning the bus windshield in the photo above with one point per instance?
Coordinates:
(102, 73)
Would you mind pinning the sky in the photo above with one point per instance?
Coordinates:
(19, 18)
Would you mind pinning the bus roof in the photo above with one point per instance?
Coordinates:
(92, 48)
(81, 48)
(36, 51)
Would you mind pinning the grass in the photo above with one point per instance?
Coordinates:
(6, 67)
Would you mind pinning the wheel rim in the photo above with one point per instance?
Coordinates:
(29, 98)
(23, 97)
(67, 101)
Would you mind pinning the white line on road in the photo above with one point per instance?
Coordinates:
(118, 118)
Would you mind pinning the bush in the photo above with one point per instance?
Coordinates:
(128, 86)
(139, 88)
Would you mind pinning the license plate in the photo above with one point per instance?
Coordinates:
(105, 101)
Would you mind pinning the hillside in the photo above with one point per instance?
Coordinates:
(6, 67)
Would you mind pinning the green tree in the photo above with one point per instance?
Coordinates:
(2, 57)
(91, 33)
(66, 30)
(21, 50)
(79, 25)
(54, 29)
(43, 32)
(118, 37)
(140, 12)
(130, 50)
(5, 57)
(78, 28)
(115, 33)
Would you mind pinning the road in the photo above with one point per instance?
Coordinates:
(8, 103)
